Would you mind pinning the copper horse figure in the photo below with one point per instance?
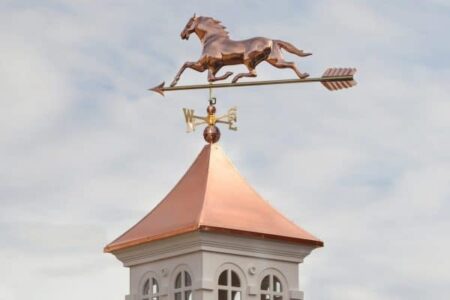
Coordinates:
(219, 50)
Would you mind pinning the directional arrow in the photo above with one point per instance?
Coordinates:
(333, 79)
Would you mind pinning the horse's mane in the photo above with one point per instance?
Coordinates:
(216, 26)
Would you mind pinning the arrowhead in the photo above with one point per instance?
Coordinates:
(158, 89)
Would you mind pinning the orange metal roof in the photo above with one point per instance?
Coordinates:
(212, 196)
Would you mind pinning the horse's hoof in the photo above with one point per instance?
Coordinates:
(174, 83)
(236, 78)
(227, 74)
(304, 75)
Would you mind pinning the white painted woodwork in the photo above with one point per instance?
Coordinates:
(204, 255)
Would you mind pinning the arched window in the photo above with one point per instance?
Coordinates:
(271, 288)
(150, 289)
(183, 286)
(229, 286)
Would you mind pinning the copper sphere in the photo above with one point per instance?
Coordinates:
(211, 134)
(211, 109)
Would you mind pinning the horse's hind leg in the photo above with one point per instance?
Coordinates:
(251, 73)
(212, 75)
(281, 64)
(197, 66)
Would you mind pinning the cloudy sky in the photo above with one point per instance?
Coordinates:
(86, 151)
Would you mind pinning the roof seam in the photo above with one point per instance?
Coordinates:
(201, 215)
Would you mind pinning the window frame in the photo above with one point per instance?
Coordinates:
(150, 276)
(183, 270)
(271, 292)
(229, 288)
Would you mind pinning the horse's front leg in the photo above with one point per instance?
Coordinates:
(197, 66)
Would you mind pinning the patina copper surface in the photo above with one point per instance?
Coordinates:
(212, 196)
(219, 50)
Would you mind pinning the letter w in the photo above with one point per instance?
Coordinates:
(189, 116)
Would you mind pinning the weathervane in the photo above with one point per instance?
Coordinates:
(219, 51)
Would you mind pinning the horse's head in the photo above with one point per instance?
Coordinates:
(189, 28)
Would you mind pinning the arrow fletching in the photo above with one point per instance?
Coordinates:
(339, 84)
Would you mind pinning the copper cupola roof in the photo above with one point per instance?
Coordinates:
(212, 196)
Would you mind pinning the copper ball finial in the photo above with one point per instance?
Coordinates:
(211, 134)
(211, 109)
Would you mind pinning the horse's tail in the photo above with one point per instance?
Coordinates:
(290, 48)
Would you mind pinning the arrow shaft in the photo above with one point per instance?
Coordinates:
(254, 83)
